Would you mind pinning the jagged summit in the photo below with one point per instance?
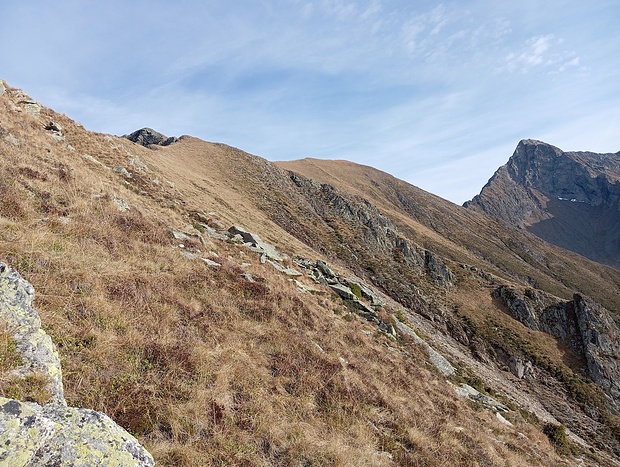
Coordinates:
(148, 137)
(571, 199)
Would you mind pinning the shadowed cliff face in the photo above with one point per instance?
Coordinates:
(570, 199)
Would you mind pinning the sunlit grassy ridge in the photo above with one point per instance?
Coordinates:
(205, 367)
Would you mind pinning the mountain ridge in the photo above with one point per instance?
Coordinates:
(212, 352)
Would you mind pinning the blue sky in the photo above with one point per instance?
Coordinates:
(436, 93)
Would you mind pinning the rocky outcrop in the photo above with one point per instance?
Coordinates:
(52, 433)
(570, 199)
(366, 292)
(31, 107)
(37, 351)
(255, 241)
(582, 324)
(465, 390)
(148, 137)
(360, 297)
(375, 234)
(2, 88)
(600, 341)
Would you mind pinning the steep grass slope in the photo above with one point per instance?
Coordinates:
(498, 254)
(205, 364)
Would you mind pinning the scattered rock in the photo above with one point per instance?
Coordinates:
(369, 294)
(137, 164)
(53, 126)
(306, 288)
(438, 360)
(31, 107)
(521, 369)
(179, 235)
(238, 239)
(464, 390)
(288, 271)
(343, 291)
(189, 255)
(255, 241)
(121, 171)
(90, 158)
(7, 136)
(211, 232)
(121, 204)
(517, 367)
(210, 262)
(2, 88)
(325, 269)
(501, 418)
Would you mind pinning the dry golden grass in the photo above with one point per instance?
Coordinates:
(464, 236)
(203, 366)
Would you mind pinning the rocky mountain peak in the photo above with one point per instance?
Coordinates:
(148, 137)
(530, 160)
(570, 199)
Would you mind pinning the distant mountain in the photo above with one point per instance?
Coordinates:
(570, 199)
(148, 137)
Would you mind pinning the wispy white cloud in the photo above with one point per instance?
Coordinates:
(530, 55)
(431, 91)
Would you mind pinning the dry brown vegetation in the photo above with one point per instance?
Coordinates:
(203, 366)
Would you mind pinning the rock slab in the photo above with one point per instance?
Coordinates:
(58, 435)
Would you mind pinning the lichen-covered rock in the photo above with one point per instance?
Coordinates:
(57, 435)
(369, 294)
(51, 434)
(31, 107)
(39, 354)
(343, 291)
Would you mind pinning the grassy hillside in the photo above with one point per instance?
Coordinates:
(468, 237)
(205, 366)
